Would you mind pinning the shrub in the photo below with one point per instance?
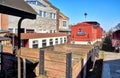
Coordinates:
(107, 44)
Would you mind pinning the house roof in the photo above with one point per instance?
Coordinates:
(40, 35)
(117, 31)
(17, 8)
(88, 23)
(63, 16)
(91, 22)
(51, 5)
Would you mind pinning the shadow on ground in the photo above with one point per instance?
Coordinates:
(96, 72)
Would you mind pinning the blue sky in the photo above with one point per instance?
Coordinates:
(106, 12)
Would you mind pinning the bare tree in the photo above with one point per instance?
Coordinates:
(110, 31)
(117, 27)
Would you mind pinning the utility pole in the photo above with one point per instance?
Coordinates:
(19, 47)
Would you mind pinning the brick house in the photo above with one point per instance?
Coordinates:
(86, 32)
(46, 21)
(3, 22)
(64, 23)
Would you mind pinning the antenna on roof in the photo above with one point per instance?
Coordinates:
(85, 14)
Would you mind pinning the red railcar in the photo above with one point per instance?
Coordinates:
(116, 40)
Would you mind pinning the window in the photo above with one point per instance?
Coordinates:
(95, 25)
(16, 30)
(11, 30)
(56, 41)
(52, 15)
(81, 32)
(35, 44)
(43, 43)
(40, 4)
(54, 31)
(61, 40)
(40, 30)
(44, 30)
(44, 14)
(23, 43)
(65, 40)
(41, 13)
(64, 23)
(35, 2)
(50, 31)
(29, 30)
(31, 2)
(51, 42)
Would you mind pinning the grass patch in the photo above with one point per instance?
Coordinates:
(101, 54)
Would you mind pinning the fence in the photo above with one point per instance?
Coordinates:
(63, 61)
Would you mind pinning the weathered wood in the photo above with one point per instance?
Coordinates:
(41, 59)
(69, 65)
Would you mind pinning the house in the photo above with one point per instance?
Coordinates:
(39, 40)
(46, 21)
(86, 32)
(64, 23)
(49, 19)
(3, 22)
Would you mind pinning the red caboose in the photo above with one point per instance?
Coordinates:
(86, 33)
